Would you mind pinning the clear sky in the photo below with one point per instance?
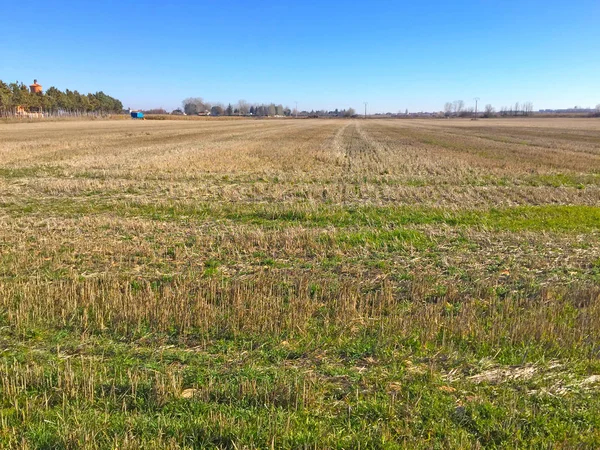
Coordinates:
(324, 54)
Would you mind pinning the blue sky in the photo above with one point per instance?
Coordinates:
(324, 54)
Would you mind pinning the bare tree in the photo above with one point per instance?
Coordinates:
(243, 107)
(516, 110)
(488, 111)
(527, 108)
(459, 105)
(349, 112)
(448, 108)
(598, 108)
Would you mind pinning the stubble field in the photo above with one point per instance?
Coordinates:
(300, 284)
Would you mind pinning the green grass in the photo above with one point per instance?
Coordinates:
(579, 181)
(321, 390)
(31, 172)
(561, 218)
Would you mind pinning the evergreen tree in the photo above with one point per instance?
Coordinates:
(53, 100)
(5, 98)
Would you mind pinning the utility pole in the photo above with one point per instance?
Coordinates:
(476, 100)
(296, 109)
(366, 103)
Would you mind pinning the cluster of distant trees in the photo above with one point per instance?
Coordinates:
(523, 109)
(197, 106)
(350, 112)
(457, 108)
(54, 101)
(155, 111)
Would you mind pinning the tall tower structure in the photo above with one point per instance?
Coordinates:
(35, 88)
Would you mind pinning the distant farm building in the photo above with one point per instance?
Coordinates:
(31, 111)
(137, 114)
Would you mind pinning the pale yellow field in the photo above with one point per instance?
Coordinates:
(89, 184)
(450, 163)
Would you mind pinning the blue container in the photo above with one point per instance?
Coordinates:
(137, 115)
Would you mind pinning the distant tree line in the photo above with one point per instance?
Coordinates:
(350, 112)
(54, 101)
(198, 106)
(457, 108)
(523, 109)
(155, 111)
